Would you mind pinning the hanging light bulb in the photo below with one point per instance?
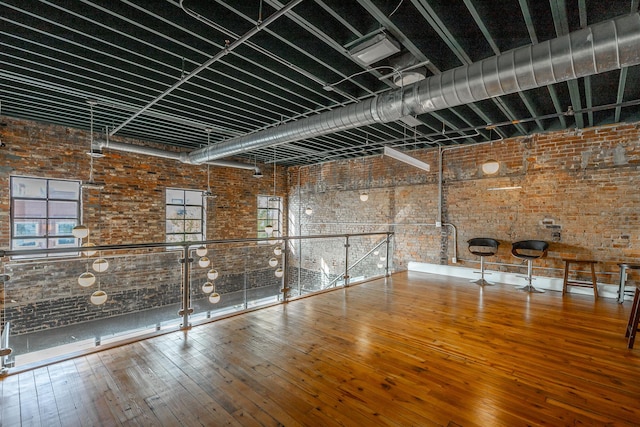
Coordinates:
(269, 230)
(204, 261)
(98, 297)
(308, 210)
(89, 252)
(86, 279)
(277, 250)
(80, 231)
(100, 265)
(279, 272)
(207, 288)
(364, 196)
(212, 274)
(201, 251)
(273, 262)
(382, 258)
(376, 253)
(214, 298)
(379, 265)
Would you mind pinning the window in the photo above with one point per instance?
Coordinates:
(184, 215)
(269, 213)
(43, 213)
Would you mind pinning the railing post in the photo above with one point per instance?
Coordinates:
(186, 309)
(346, 261)
(285, 276)
(386, 268)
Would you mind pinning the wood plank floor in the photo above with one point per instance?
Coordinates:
(414, 350)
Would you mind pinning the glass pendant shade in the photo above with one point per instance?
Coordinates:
(212, 274)
(100, 265)
(273, 262)
(207, 288)
(214, 298)
(364, 197)
(89, 252)
(80, 231)
(277, 251)
(201, 251)
(204, 262)
(308, 211)
(268, 229)
(273, 241)
(86, 279)
(279, 272)
(98, 297)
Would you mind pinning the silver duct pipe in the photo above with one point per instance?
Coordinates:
(602, 47)
(179, 156)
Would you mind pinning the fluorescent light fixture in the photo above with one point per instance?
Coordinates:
(410, 121)
(374, 49)
(516, 187)
(398, 155)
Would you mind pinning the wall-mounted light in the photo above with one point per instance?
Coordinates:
(490, 167)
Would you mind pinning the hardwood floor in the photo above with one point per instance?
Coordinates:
(416, 350)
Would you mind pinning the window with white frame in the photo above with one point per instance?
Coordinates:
(269, 214)
(43, 213)
(185, 219)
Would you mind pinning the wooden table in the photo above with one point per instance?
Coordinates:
(583, 283)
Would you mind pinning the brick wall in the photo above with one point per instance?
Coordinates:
(579, 192)
(130, 209)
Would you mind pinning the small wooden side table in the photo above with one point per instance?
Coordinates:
(623, 279)
(583, 283)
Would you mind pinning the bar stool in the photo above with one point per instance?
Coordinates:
(634, 318)
(623, 279)
(482, 247)
(573, 282)
(529, 250)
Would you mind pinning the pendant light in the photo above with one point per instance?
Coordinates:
(214, 297)
(277, 250)
(98, 297)
(207, 288)
(86, 279)
(279, 272)
(273, 262)
(212, 274)
(201, 251)
(204, 261)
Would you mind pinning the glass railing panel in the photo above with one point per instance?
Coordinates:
(316, 264)
(59, 306)
(368, 257)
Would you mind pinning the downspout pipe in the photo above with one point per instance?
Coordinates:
(246, 36)
(605, 46)
(182, 157)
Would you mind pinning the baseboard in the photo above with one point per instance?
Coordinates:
(606, 290)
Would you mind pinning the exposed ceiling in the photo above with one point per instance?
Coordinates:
(57, 55)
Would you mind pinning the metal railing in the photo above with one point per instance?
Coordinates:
(149, 283)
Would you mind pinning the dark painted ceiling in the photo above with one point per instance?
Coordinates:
(57, 55)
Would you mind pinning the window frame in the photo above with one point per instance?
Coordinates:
(186, 206)
(261, 219)
(45, 225)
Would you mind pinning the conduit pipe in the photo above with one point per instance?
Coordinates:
(179, 156)
(602, 47)
(246, 36)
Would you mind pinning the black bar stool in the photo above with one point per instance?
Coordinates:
(529, 250)
(482, 247)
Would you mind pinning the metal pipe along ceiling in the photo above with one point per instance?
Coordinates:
(602, 47)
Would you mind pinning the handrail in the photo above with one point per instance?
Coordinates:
(195, 243)
(334, 281)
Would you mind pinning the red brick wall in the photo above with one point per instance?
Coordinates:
(131, 208)
(579, 192)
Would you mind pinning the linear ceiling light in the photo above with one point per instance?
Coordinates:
(398, 155)
(374, 49)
